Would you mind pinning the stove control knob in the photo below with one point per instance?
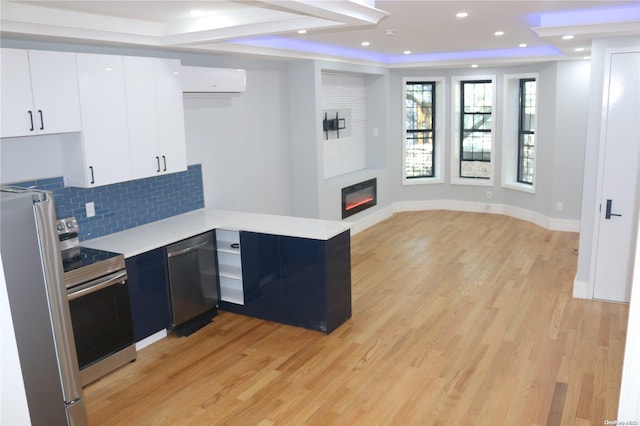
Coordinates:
(70, 225)
(60, 226)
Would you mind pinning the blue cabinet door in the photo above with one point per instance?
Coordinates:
(149, 293)
(261, 275)
(303, 273)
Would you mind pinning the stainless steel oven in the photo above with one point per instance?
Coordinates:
(96, 283)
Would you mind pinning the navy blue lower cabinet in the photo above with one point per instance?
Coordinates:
(296, 281)
(149, 293)
(261, 275)
(303, 272)
(338, 282)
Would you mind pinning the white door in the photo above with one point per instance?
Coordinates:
(619, 178)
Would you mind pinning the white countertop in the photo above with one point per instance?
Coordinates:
(140, 239)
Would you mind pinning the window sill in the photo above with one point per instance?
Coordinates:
(522, 187)
(472, 181)
(422, 181)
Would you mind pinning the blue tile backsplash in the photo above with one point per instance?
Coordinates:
(125, 205)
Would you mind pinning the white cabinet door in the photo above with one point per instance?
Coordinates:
(156, 116)
(54, 81)
(170, 109)
(17, 102)
(143, 120)
(39, 93)
(104, 119)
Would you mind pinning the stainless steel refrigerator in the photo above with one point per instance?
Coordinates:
(39, 308)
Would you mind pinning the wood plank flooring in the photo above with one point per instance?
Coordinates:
(458, 319)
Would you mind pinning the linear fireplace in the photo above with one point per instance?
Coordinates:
(358, 197)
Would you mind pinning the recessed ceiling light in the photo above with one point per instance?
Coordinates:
(407, 52)
(567, 37)
(302, 31)
(365, 43)
(390, 33)
(474, 66)
(579, 49)
(499, 33)
(462, 15)
(522, 45)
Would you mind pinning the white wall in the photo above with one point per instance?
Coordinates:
(563, 91)
(262, 150)
(242, 141)
(304, 130)
(572, 98)
(30, 158)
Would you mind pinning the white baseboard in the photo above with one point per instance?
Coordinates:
(580, 289)
(552, 224)
(151, 339)
(372, 219)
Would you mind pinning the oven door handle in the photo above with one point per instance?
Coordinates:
(97, 285)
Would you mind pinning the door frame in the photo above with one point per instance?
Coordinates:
(608, 54)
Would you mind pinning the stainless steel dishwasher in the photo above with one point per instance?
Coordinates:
(193, 282)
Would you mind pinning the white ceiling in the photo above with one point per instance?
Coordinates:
(336, 28)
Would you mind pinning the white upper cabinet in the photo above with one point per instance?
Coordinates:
(104, 156)
(156, 116)
(39, 93)
(170, 110)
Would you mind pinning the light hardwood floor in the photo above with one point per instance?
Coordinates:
(458, 319)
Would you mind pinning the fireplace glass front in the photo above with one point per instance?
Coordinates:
(358, 197)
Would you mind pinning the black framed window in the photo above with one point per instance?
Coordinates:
(419, 129)
(526, 130)
(476, 137)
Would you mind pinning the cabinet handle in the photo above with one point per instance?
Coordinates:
(164, 158)
(92, 177)
(31, 120)
(41, 120)
(158, 161)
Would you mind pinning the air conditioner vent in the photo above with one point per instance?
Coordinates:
(203, 80)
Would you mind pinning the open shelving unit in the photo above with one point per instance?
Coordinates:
(230, 266)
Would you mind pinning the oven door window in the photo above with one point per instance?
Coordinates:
(101, 323)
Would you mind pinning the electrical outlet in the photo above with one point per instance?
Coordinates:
(559, 207)
(489, 195)
(91, 209)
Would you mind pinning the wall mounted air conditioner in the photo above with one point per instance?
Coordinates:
(204, 80)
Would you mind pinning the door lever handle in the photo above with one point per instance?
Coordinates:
(608, 213)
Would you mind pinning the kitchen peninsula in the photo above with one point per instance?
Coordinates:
(292, 270)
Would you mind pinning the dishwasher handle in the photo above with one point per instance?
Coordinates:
(186, 250)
